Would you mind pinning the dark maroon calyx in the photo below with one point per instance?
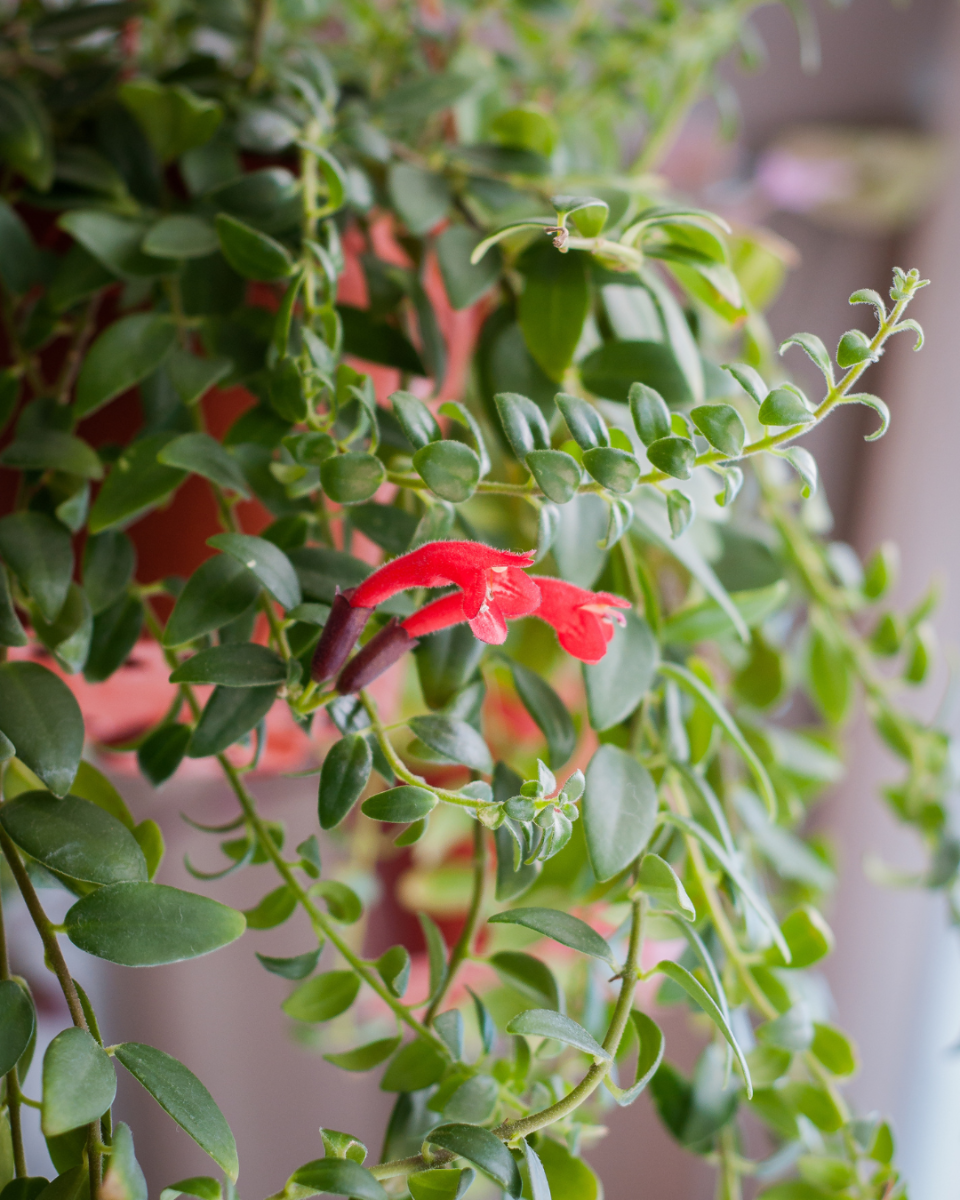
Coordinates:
(371, 660)
(343, 627)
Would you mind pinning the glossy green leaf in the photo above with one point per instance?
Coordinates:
(545, 1023)
(364, 1058)
(266, 561)
(553, 304)
(464, 280)
(450, 469)
(454, 739)
(523, 423)
(352, 478)
(40, 716)
(416, 1065)
(562, 927)
(18, 1020)
(298, 967)
(173, 118)
(125, 353)
(38, 551)
(557, 473)
(181, 1094)
(343, 777)
(416, 420)
(393, 967)
(658, 880)
(549, 712)
(79, 1082)
(73, 838)
(619, 810)
(785, 406)
(114, 636)
(619, 681)
(587, 428)
(651, 417)
(137, 482)
(338, 1177)
(68, 637)
(229, 714)
(215, 594)
(400, 804)
(162, 752)
(440, 1184)
(252, 254)
(275, 908)
(323, 997)
(482, 1148)
(203, 455)
(527, 975)
(241, 664)
(145, 924)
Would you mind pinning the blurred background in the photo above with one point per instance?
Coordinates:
(818, 158)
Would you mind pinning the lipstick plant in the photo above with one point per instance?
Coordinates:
(391, 295)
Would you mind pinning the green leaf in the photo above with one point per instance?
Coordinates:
(808, 936)
(298, 967)
(201, 1186)
(557, 473)
(125, 353)
(464, 280)
(266, 561)
(785, 406)
(440, 1184)
(343, 777)
(523, 423)
(124, 1180)
(203, 455)
(400, 805)
(436, 951)
(616, 470)
(416, 1065)
(79, 1082)
(483, 1149)
(114, 241)
(18, 1021)
(376, 341)
(657, 879)
(544, 1022)
(40, 716)
(619, 681)
(390, 528)
(553, 305)
(527, 975)
(612, 369)
(12, 632)
(416, 420)
(162, 752)
(421, 198)
(649, 1057)
(455, 740)
(673, 455)
(275, 908)
(26, 143)
(241, 664)
(548, 711)
(814, 349)
(39, 552)
(699, 994)
(651, 417)
(323, 997)
(393, 967)
(569, 1178)
(136, 483)
(252, 254)
(180, 235)
(450, 469)
(364, 1058)
(73, 838)
(181, 1094)
(619, 810)
(173, 118)
(539, 1184)
(336, 1176)
(230, 713)
(68, 637)
(562, 927)
(352, 478)
(342, 901)
(219, 591)
(878, 407)
(52, 449)
(722, 426)
(115, 633)
(146, 924)
(698, 688)
(708, 621)
(816, 1104)
(834, 1049)
(831, 678)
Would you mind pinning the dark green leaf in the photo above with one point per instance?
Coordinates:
(252, 254)
(39, 552)
(450, 469)
(616, 470)
(651, 417)
(586, 426)
(545, 1023)
(266, 561)
(181, 1094)
(215, 594)
(323, 997)
(203, 455)
(52, 449)
(26, 144)
(465, 281)
(673, 455)
(73, 838)
(125, 353)
(19, 261)
(527, 975)
(351, 478)
(173, 118)
(12, 632)
(40, 716)
(376, 341)
(336, 1176)
(553, 304)
(79, 1082)
(549, 712)
(561, 927)
(108, 564)
(416, 420)
(619, 810)
(400, 805)
(68, 637)
(18, 1020)
(162, 752)
(363, 1058)
(275, 908)
(611, 369)
(292, 968)
(180, 235)
(455, 740)
(482, 1148)
(390, 528)
(343, 777)
(242, 664)
(230, 713)
(145, 924)
(557, 473)
(446, 661)
(523, 423)
(420, 197)
(136, 483)
(115, 633)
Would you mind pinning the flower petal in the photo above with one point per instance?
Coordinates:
(435, 564)
(440, 614)
(489, 625)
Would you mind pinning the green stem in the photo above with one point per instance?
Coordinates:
(13, 1083)
(465, 941)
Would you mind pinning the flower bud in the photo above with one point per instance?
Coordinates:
(343, 627)
(381, 652)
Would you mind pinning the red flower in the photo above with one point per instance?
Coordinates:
(440, 614)
(583, 620)
(493, 584)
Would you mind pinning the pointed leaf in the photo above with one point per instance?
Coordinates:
(323, 997)
(619, 681)
(137, 482)
(125, 353)
(657, 879)
(266, 561)
(699, 994)
(364, 1058)
(203, 455)
(483, 1149)
(562, 927)
(18, 1021)
(229, 714)
(79, 1082)
(619, 810)
(544, 1022)
(39, 715)
(338, 1177)
(218, 592)
(455, 740)
(37, 549)
(547, 710)
(343, 777)
(238, 664)
(649, 1057)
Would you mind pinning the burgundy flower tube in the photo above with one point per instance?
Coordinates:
(343, 627)
(371, 660)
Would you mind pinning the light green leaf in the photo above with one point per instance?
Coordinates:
(124, 1180)
(619, 810)
(440, 1184)
(275, 908)
(323, 997)
(79, 1082)
(619, 681)
(649, 1057)
(364, 1058)
(657, 879)
(416, 1065)
(562, 927)
(545, 1023)
(352, 478)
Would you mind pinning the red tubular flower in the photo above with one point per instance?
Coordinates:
(440, 614)
(583, 620)
(493, 583)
